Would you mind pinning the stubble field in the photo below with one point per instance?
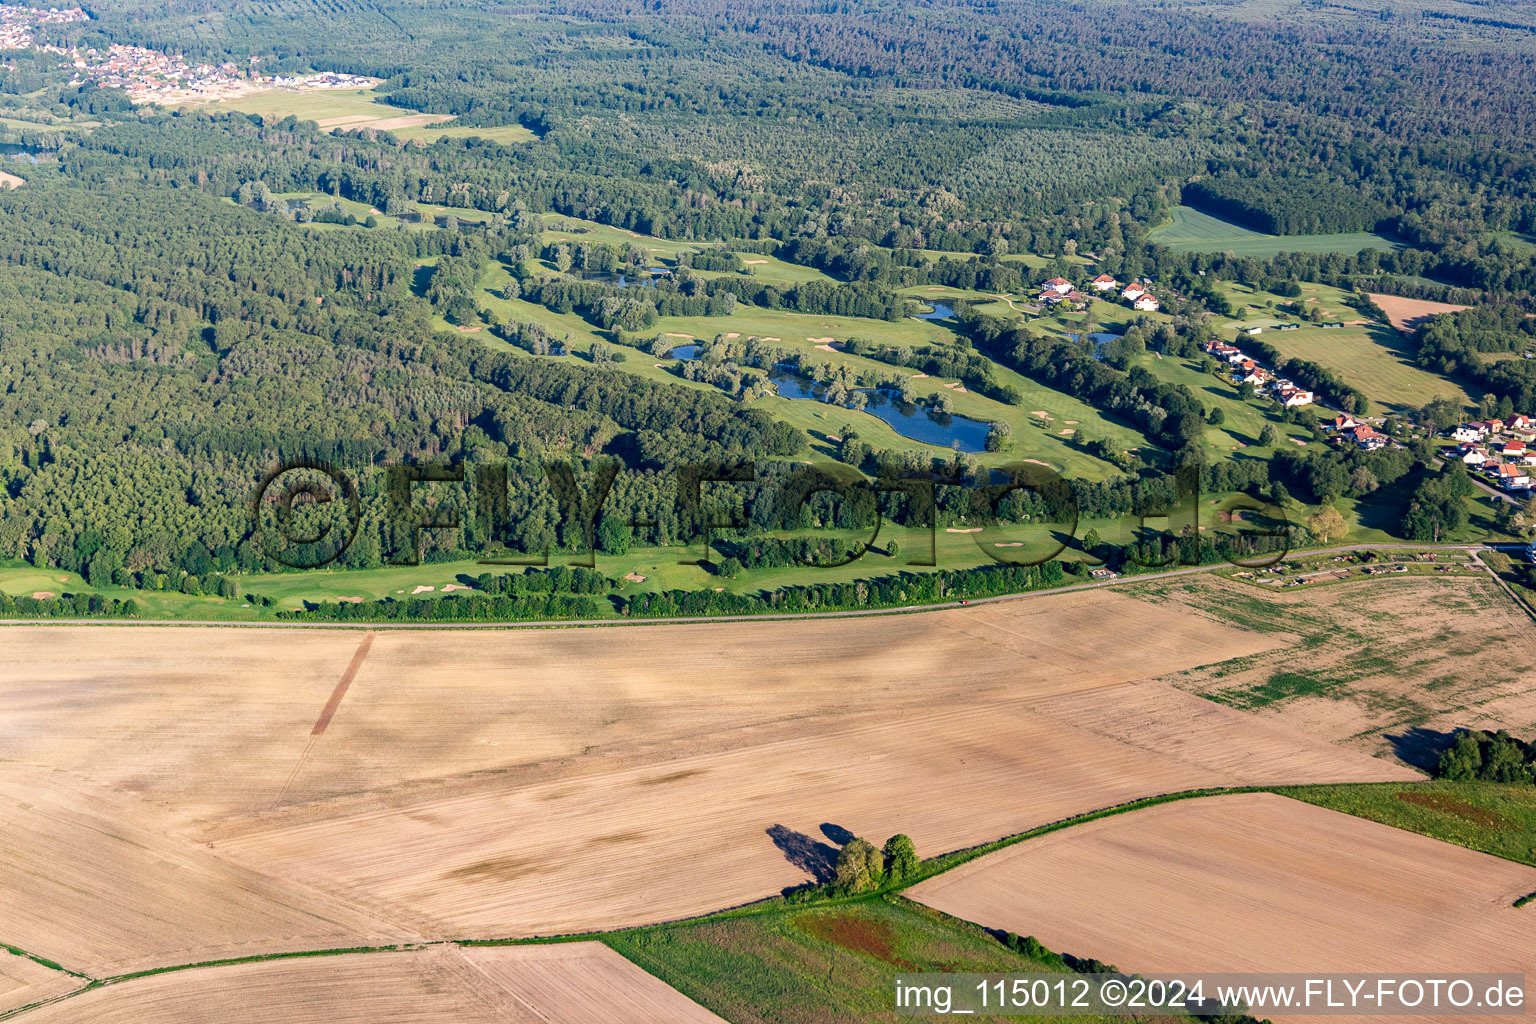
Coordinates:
(494, 784)
(1391, 666)
(569, 983)
(1251, 882)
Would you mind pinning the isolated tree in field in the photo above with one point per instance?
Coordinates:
(1092, 540)
(900, 857)
(730, 567)
(1327, 525)
(860, 867)
(1269, 436)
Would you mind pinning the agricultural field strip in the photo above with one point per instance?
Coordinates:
(569, 983)
(1384, 665)
(217, 785)
(1260, 883)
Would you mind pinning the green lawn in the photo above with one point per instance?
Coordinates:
(1488, 816)
(817, 964)
(1243, 421)
(507, 134)
(1377, 360)
(1190, 230)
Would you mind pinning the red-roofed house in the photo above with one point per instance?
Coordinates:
(1511, 477)
(1369, 437)
(1146, 303)
(1059, 285)
(1344, 422)
(1132, 292)
(1104, 283)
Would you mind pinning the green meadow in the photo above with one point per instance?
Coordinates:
(1190, 230)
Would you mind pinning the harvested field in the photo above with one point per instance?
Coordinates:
(99, 883)
(24, 982)
(8, 180)
(1252, 882)
(1391, 665)
(528, 782)
(575, 983)
(1405, 314)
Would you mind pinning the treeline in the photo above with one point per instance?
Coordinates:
(881, 592)
(782, 552)
(1483, 756)
(1313, 376)
(453, 608)
(1454, 343)
(69, 606)
(1286, 204)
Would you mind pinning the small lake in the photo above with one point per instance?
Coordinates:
(27, 154)
(685, 351)
(1099, 340)
(939, 312)
(625, 281)
(908, 420)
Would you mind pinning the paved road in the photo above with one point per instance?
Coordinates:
(694, 619)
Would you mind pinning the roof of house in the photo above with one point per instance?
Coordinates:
(1057, 280)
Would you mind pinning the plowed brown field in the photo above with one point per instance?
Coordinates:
(1252, 882)
(575, 983)
(495, 784)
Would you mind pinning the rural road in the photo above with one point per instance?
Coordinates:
(695, 619)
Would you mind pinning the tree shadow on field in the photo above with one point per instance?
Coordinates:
(836, 833)
(815, 858)
(1421, 747)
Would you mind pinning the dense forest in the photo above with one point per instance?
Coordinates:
(171, 330)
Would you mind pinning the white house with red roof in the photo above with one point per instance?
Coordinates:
(1512, 478)
(1344, 422)
(1104, 283)
(1059, 285)
(1368, 437)
(1132, 292)
(1146, 303)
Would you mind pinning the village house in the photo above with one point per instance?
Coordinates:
(1146, 303)
(1511, 478)
(1104, 283)
(1132, 292)
(1292, 396)
(1471, 454)
(1470, 432)
(1059, 285)
(1343, 422)
(1368, 437)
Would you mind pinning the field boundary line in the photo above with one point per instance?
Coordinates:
(931, 868)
